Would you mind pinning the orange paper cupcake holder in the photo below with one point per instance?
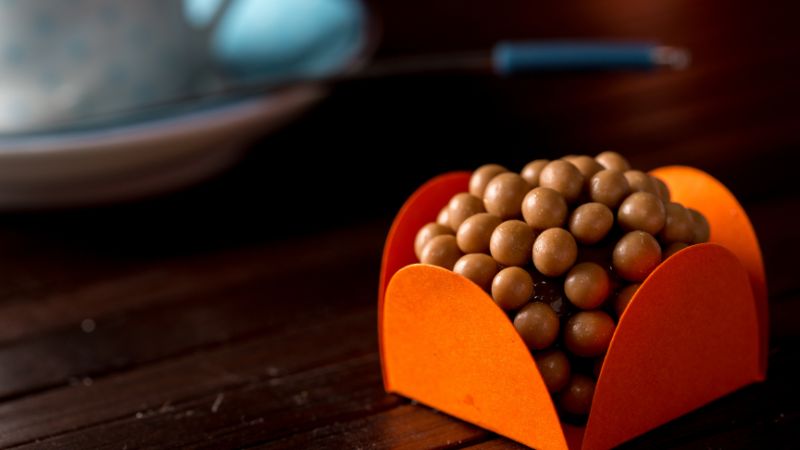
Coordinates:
(695, 330)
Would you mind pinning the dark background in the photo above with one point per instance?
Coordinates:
(258, 268)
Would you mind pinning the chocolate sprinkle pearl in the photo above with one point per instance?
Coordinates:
(554, 252)
(482, 176)
(679, 226)
(661, 189)
(555, 369)
(591, 222)
(636, 255)
(463, 206)
(576, 397)
(623, 298)
(478, 268)
(427, 233)
(587, 285)
(641, 182)
(504, 194)
(474, 233)
(586, 165)
(538, 325)
(532, 170)
(512, 288)
(441, 251)
(642, 211)
(673, 248)
(544, 208)
(511, 243)
(588, 333)
(444, 217)
(563, 177)
(701, 229)
(613, 160)
(609, 187)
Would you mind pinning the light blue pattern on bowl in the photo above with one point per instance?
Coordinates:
(61, 61)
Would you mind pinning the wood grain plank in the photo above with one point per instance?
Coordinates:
(193, 318)
(404, 427)
(176, 279)
(265, 363)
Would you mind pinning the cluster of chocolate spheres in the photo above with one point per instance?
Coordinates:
(562, 246)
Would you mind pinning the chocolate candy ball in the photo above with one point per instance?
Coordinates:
(426, 233)
(444, 217)
(641, 182)
(609, 187)
(538, 325)
(587, 285)
(613, 160)
(554, 252)
(642, 211)
(662, 189)
(591, 222)
(511, 243)
(588, 333)
(474, 233)
(673, 248)
(532, 170)
(512, 288)
(544, 208)
(441, 251)
(478, 268)
(624, 297)
(482, 176)
(461, 207)
(679, 225)
(576, 397)
(504, 194)
(555, 369)
(563, 177)
(701, 231)
(586, 165)
(636, 255)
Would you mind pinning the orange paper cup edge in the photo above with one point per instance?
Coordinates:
(730, 227)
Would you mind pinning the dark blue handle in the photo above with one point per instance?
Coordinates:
(511, 58)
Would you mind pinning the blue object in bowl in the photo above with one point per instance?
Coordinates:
(283, 40)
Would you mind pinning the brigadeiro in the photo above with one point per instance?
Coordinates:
(511, 243)
(609, 187)
(576, 397)
(477, 267)
(588, 333)
(538, 325)
(642, 211)
(562, 247)
(461, 207)
(503, 195)
(587, 285)
(441, 251)
(512, 288)
(636, 255)
(532, 170)
(554, 252)
(482, 176)
(426, 233)
(544, 208)
(475, 232)
(554, 367)
(563, 177)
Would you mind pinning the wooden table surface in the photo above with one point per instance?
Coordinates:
(242, 313)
